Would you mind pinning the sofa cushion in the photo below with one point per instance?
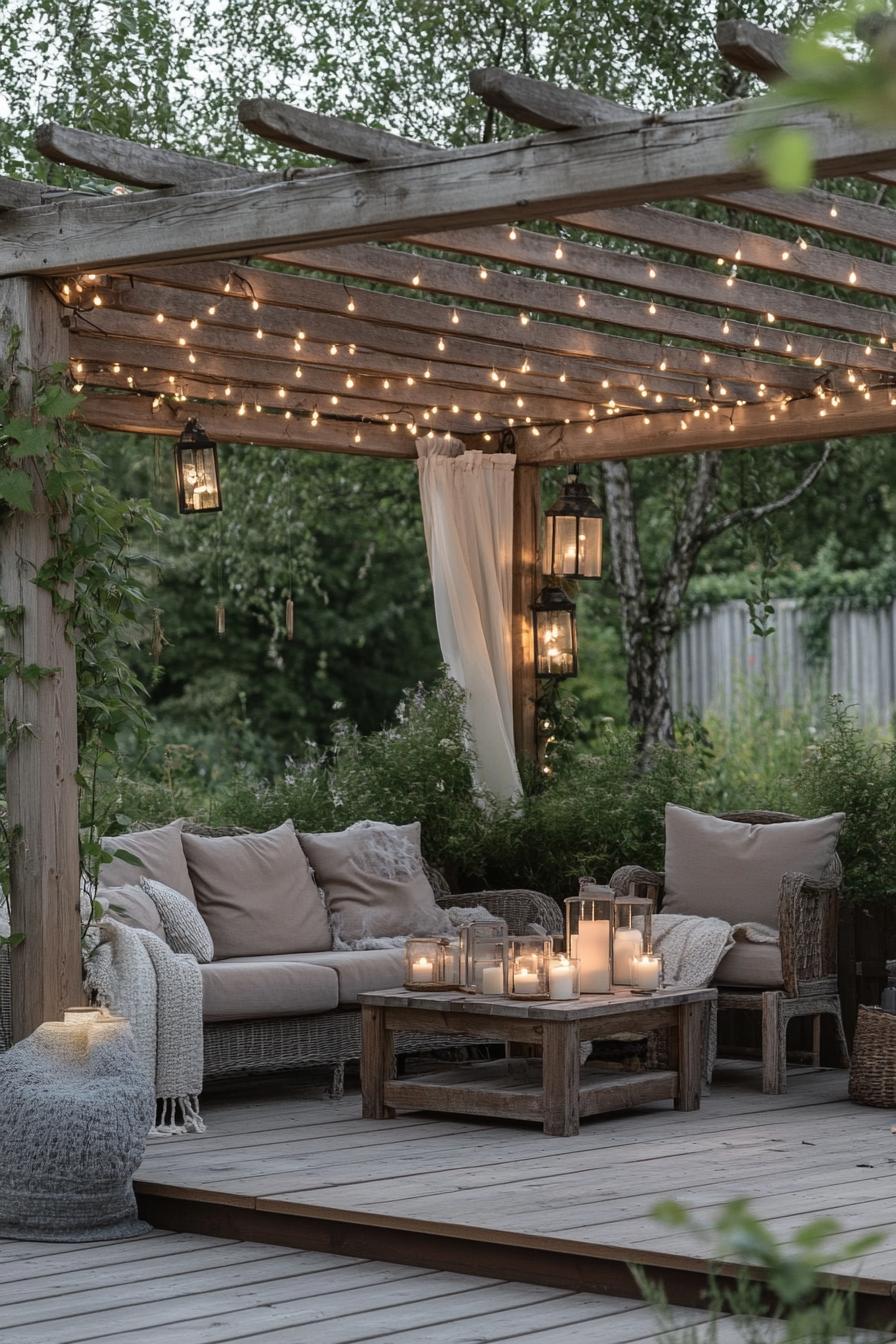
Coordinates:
(379, 968)
(751, 965)
(733, 869)
(161, 856)
(131, 905)
(251, 987)
(373, 880)
(257, 894)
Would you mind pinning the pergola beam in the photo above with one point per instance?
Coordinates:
(765, 53)
(128, 161)
(755, 50)
(135, 415)
(537, 102)
(329, 137)
(753, 427)
(387, 322)
(688, 153)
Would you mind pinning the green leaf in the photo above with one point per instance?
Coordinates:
(786, 158)
(15, 488)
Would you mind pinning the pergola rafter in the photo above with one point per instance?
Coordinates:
(271, 306)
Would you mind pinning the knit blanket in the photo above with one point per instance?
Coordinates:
(692, 947)
(135, 974)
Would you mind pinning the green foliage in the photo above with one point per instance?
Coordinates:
(846, 61)
(801, 1309)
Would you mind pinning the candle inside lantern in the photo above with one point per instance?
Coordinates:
(592, 947)
(492, 979)
(525, 980)
(562, 978)
(627, 945)
(422, 971)
(646, 973)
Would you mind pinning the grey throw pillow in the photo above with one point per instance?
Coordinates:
(733, 869)
(185, 929)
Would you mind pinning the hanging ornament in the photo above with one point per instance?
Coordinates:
(289, 617)
(220, 618)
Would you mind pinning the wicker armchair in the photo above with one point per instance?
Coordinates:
(807, 924)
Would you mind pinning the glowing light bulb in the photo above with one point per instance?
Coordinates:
(853, 277)
(512, 235)
(415, 279)
(483, 273)
(558, 252)
(524, 319)
(160, 317)
(212, 310)
(441, 344)
(455, 316)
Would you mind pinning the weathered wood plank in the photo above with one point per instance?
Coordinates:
(482, 339)
(135, 415)
(527, 295)
(758, 51)
(538, 102)
(560, 1065)
(330, 137)
(820, 210)
(629, 436)
(40, 714)
(555, 173)
(127, 161)
(526, 578)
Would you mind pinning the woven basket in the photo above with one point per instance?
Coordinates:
(872, 1073)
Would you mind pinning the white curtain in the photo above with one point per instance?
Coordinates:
(467, 500)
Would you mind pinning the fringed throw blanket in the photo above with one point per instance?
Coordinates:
(692, 947)
(160, 992)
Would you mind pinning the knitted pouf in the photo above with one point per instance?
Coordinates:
(75, 1109)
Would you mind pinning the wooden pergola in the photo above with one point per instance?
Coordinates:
(165, 303)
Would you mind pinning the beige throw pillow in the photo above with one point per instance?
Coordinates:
(257, 894)
(373, 881)
(733, 869)
(161, 856)
(185, 929)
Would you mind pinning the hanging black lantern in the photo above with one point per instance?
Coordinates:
(196, 470)
(554, 621)
(573, 533)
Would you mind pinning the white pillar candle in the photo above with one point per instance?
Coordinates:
(627, 944)
(525, 981)
(421, 971)
(492, 979)
(646, 973)
(593, 951)
(562, 978)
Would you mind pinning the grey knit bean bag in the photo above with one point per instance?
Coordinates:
(75, 1109)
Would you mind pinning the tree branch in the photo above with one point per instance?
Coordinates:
(760, 511)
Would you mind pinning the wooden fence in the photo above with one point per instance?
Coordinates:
(718, 656)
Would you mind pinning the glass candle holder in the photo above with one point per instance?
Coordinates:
(563, 977)
(526, 967)
(482, 956)
(647, 973)
(632, 933)
(432, 963)
(590, 919)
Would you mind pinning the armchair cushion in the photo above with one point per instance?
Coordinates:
(733, 869)
(751, 966)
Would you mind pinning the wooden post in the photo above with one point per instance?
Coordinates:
(40, 716)
(526, 557)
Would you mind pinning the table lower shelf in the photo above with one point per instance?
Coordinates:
(513, 1089)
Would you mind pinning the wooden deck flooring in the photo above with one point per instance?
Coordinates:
(199, 1290)
(806, 1153)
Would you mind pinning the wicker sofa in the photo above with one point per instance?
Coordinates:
(329, 1034)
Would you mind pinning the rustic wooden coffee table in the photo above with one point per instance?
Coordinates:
(552, 1089)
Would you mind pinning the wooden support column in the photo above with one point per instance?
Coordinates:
(40, 715)
(526, 564)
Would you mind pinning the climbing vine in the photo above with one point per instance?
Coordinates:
(96, 575)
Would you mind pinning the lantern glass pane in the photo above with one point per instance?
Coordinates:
(573, 546)
(198, 487)
(590, 919)
(526, 967)
(555, 644)
(482, 951)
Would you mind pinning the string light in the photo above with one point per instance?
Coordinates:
(582, 300)
(483, 273)
(512, 235)
(558, 252)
